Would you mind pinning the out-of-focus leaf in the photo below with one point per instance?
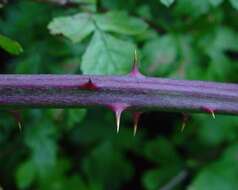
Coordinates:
(75, 116)
(10, 46)
(75, 181)
(215, 2)
(25, 174)
(221, 39)
(167, 3)
(160, 55)
(215, 44)
(231, 153)
(220, 175)
(75, 27)
(219, 67)
(157, 178)
(112, 165)
(161, 151)
(214, 132)
(188, 64)
(234, 4)
(43, 146)
(193, 8)
(120, 22)
(105, 55)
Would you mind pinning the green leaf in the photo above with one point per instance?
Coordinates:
(231, 153)
(161, 151)
(10, 46)
(215, 3)
(107, 54)
(25, 174)
(74, 116)
(154, 179)
(223, 38)
(167, 3)
(120, 22)
(220, 175)
(76, 27)
(234, 4)
(193, 8)
(215, 44)
(40, 139)
(105, 162)
(160, 55)
(226, 127)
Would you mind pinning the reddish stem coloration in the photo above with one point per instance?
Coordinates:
(139, 93)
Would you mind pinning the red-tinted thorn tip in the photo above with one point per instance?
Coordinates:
(17, 116)
(136, 118)
(185, 120)
(209, 110)
(118, 108)
(89, 85)
(135, 70)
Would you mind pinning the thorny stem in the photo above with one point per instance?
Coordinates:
(139, 93)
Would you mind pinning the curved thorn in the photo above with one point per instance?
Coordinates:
(118, 108)
(16, 115)
(135, 57)
(89, 85)
(19, 126)
(135, 70)
(136, 117)
(135, 129)
(213, 114)
(183, 127)
(185, 119)
(118, 119)
(209, 110)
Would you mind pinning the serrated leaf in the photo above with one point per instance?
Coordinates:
(75, 27)
(25, 174)
(107, 54)
(215, 3)
(167, 3)
(234, 4)
(120, 22)
(10, 46)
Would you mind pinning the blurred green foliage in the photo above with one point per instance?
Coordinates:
(9, 45)
(78, 148)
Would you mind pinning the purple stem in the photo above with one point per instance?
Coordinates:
(139, 93)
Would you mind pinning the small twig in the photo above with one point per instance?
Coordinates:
(175, 180)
